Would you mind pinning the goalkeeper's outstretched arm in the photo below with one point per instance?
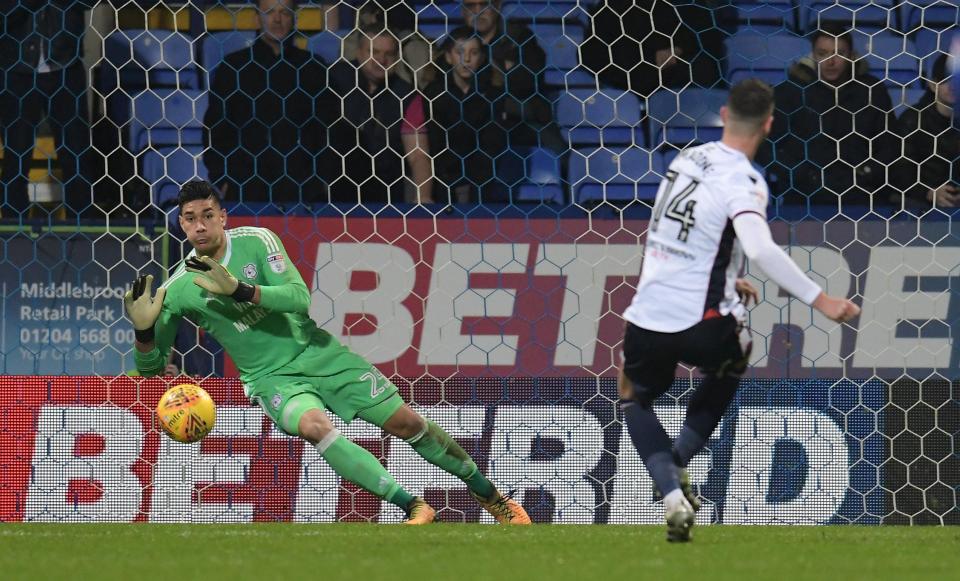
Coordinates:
(284, 291)
(154, 324)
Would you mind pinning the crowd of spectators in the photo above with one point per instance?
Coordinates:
(399, 119)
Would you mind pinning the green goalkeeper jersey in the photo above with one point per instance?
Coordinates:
(259, 338)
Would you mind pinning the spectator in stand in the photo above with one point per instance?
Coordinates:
(518, 64)
(463, 124)
(929, 171)
(382, 125)
(645, 45)
(830, 143)
(415, 66)
(43, 77)
(268, 116)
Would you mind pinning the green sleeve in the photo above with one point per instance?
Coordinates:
(153, 362)
(284, 291)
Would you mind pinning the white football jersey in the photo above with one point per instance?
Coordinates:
(691, 260)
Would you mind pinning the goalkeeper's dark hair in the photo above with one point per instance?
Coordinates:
(751, 101)
(198, 190)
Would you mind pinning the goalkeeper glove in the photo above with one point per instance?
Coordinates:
(213, 277)
(142, 308)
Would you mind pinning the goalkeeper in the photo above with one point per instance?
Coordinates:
(240, 286)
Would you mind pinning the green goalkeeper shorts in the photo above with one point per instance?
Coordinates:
(346, 384)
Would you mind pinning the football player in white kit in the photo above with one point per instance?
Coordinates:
(690, 306)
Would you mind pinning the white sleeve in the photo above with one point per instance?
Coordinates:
(757, 243)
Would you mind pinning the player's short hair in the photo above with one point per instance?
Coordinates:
(751, 101)
(198, 190)
(460, 34)
(833, 29)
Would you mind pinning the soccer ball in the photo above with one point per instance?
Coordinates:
(186, 413)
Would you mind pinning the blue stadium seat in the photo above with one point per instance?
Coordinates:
(612, 174)
(134, 60)
(151, 58)
(772, 16)
(542, 181)
(217, 45)
(167, 118)
(543, 10)
(561, 48)
(436, 30)
(930, 14)
(436, 10)
(903, 98)
(863, 15)
(569, 80)
(890, 57)
(166, 168)
(930, 41)
(328, 45)
(606, 116)
(686, 118)
(762, 56)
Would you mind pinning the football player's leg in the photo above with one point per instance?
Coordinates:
(437, 447)
(721, 380)
(304, 415)
(647, 433)
(653, 445)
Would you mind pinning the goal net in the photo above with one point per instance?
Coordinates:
(469, 211)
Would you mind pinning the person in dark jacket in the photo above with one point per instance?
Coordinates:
(830, 143)
(463, 123)
(43, 76)
(928, 174)
(268, 117)
(518, 62)
(382, 133)
(645, 45)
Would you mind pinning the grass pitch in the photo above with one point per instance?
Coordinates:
(466, 552)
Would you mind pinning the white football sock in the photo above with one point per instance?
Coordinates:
(673, 499)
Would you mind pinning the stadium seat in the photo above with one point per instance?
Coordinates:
(606, 116)
(903, 98)
(867, 16)
(151, 58)
(166, 168)
(929, 41)
(542, 180)
(561, 47)
(436, 11)
(328, 45)
(775, 16)
(567, 80)
(930, 15)
(762, 56)
(166, 118)
(543, 10)
(612, 174)
(135, 59)
(217, 45)
(890, 57)
(686, 118)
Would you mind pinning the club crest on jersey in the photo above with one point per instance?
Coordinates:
(276, 401)
(250, 271)
(277, 263)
